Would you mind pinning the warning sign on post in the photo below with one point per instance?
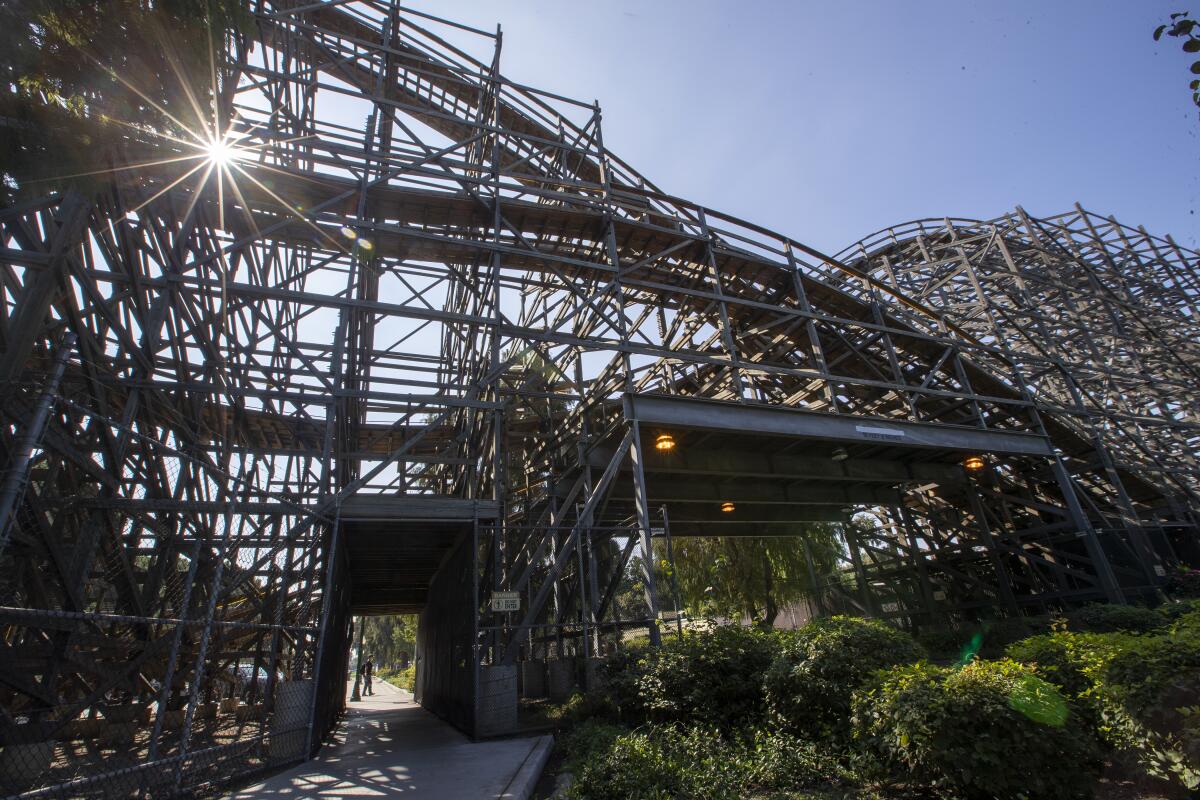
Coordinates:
(506, 601)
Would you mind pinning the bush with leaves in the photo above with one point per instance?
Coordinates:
(710, 676)
(700, 763)
(1183, 583)
(1113, 617)
(987, 730)
(808, 688)
(1148, 697)
(402, 678)
(1177, 608)
(1071, 661)
(986, 639)
(1141, 693)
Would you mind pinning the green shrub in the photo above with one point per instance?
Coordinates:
(1149, 701)
(588, 741)
(401, 678)
(987, 730)
(985, 639)
(1111, 618)
(596, 704)
(1141, 693)
(944, 644)
(1070, 661)
(709, 677)
(1183, 582)
(691, 762)
(808, 688)
(1175, 609)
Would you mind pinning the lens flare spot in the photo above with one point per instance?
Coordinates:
(1038, 700)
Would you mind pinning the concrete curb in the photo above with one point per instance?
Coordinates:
(522, 784)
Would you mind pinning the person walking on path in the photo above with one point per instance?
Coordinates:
(368, 671)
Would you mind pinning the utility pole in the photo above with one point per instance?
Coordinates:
(355, 695)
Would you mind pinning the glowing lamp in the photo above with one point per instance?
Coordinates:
(973, 463)
(727, 507)
(664, 443)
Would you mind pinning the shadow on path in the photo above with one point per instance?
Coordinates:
(388, 746)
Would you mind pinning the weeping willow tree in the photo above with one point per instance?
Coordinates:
(734, 576)
(390, 640)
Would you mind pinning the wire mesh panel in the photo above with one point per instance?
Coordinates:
(152, 645)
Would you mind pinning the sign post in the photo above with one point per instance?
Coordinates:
(506, 601)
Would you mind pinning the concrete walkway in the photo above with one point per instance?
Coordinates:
(388, 746)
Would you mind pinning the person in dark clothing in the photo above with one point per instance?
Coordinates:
(368, 671)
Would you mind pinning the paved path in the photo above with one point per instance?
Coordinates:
(388, 746)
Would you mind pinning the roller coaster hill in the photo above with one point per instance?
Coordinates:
(410, 339)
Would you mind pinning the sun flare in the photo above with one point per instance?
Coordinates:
(220, 151)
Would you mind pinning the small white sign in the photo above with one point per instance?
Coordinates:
(506, 601)
(872, 432)
(1159, 571)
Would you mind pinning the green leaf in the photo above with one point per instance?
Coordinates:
(1158, 32)
(1191, 46)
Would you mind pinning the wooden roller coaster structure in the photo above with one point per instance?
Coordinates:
(416, 336)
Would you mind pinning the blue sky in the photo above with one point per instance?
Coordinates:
(828, 121)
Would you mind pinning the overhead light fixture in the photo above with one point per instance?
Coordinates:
(349, 233)
(973, 463)
(840, 454)
(365, 244)
(727, 507)
(665, 442)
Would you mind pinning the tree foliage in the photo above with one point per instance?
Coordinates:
(754, 576)
(991, 729)
(88, 79)
(390, 640)
(1186, 29)
(808, 688)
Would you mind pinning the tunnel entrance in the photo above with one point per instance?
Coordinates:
(413, 554)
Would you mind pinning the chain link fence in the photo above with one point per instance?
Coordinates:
(160, 613)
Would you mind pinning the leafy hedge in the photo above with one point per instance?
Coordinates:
(613, 763)
(1111, 618)
(808, 688)
(712, 677)
(987, 730)
(1183, 582)
(1141, 693)
(1149, 700)
(1071, 661)
(737, 712)
(401, 678)
(984, 639)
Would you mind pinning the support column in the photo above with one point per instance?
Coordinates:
(18, 469)
(1108, 581)
(643, 521)
(1003, 581)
